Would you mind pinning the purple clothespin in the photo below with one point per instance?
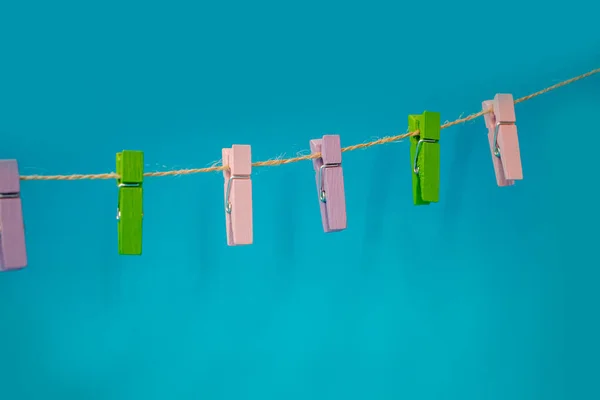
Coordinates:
(12, 232)
(330, 182)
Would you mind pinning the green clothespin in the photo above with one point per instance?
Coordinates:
(425, 157)
(130, 168)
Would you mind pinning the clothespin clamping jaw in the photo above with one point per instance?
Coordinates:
(330, 182)
(130, 212)
(13, 254)
(503, 139)
(238, 194)
(425, 157)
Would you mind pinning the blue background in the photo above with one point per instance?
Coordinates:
(489, 294)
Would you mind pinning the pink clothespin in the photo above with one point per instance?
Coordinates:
(12, 232)
(330, 182)
(238, 194)
(503, 139)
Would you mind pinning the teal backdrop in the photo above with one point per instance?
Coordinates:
(489, 294)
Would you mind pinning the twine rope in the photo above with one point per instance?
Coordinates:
(278, 162)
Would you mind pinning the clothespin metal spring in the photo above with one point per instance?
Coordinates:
(416, 166)
(228, 206)
(322, 193)
(496, 130)
(120, 185)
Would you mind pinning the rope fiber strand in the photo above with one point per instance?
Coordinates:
(278, 162)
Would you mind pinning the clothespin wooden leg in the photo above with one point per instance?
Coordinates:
(330, 182)
(13, 254)
(238, 194)
(425, 157)
(130, 168)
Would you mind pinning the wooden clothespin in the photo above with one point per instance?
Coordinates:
(130, 168)
(13, 254)
(425, 157)
(503, 139)
(330, 182)
(238, 194)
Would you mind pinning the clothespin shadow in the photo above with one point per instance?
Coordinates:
(286, 236)
(380, 192)
(202, 246)
(458, 179)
